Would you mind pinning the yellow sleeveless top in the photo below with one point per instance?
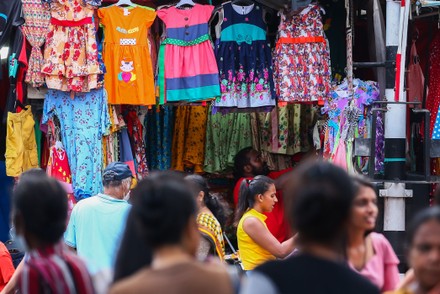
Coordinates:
(251, 254)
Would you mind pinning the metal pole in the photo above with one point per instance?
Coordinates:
(395, 138)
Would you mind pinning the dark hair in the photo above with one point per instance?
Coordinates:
(319, 198)
(424, 216)
(248, 190)
(163, 205)
(240, 160)
(360, 181)
(199, 183)
(42, 202)
(134, 253)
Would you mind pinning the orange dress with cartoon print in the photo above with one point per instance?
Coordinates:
(129, 75)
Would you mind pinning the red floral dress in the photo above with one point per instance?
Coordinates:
(71, 53)
(302, 58)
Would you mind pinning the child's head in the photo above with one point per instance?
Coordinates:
(40, 209)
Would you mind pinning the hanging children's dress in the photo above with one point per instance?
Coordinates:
(187, 67)
(71, 53)
(129, 77)
(244, 58)
(302, 58)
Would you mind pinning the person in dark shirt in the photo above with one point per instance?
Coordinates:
(319, 197)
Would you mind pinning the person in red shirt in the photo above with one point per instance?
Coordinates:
(6, 266)
(249, 164)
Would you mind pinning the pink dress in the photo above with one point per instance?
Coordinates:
(187, 63)
(381, 269)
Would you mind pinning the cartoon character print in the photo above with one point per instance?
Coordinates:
(126, 73)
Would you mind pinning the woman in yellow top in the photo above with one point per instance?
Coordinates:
(423, 253)
(255, 242)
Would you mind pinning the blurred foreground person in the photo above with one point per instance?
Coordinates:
(370, 253)
(320, 198)
(40, 215)
(165, 216)
(256, 244)
(210, 219)
(423, 253)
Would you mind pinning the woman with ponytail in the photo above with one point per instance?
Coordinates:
(210, 219)
(255, 242)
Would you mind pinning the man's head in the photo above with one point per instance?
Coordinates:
(116, 179)
(39, 209)
(248, 163)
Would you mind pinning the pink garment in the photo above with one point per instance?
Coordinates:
(415, 78)
(381, 269)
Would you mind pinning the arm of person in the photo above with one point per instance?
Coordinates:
(262, 236)
(407, 280)
(391, 277)
(11, 286)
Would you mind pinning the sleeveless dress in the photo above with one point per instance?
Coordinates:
(302, 58)
(187, 67)
(129, 72)
(244, 59)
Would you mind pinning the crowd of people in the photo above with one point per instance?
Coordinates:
(307, 230)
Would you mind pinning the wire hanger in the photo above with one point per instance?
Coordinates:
(185, 2)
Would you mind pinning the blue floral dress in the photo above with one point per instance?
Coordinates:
(84, 120)
(244, 59)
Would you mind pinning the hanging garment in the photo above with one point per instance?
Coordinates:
(349, 118)
(187, 67)
(10, 17)
(71, 52)
(58, 168)
(188, 150)
(244, 58)
(35, 28)
(274, 161)
(84, 120)
(129, 73)
(135, 131)
(433, 99)
(159, 124)
(225, 136)
(415, 78)
(21, 147)
(285, 129)
(125, 154)
(302, 58)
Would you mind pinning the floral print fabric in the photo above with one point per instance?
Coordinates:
(159, 122)
(84, 120)
(71, 52)
(35, 28)
(244, 59)
(226, 134)
(189, 138)
(302, 70)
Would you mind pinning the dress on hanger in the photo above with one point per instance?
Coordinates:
(84, 120)
(244, 58)
(35, 28)
(129, 77)
(302, 57)
(187, 67)
(71, 52)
